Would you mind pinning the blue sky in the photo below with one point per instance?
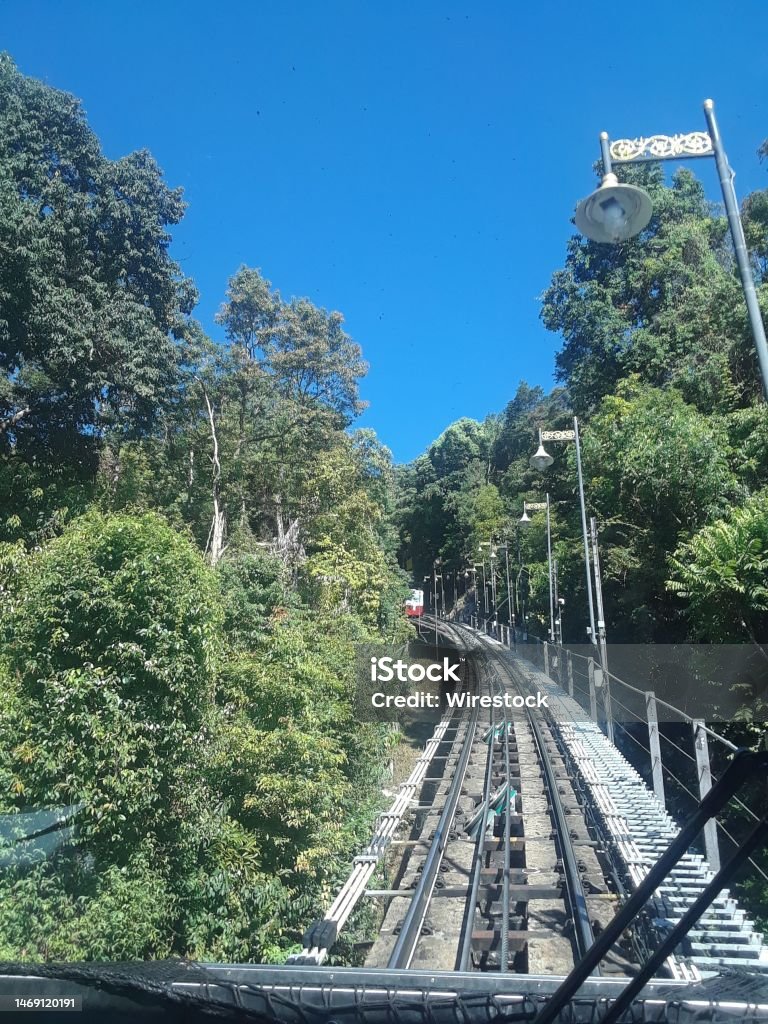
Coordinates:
(411, 164)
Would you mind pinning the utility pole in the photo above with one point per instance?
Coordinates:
(603, 646)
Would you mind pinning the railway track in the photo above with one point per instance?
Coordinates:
(501, 872)
(526, 831)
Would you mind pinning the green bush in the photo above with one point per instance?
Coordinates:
(110, 647)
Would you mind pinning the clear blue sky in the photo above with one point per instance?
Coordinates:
(412, 164)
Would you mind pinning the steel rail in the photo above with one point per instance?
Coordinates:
(573, 883)
(465, 942)
(405, 946)
(504, 965)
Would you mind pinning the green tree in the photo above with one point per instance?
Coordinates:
(89, 296)
(657, 470)
(721, 572)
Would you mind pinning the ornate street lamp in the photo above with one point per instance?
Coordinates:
(615, 211)
(542, 460)
(543, 506)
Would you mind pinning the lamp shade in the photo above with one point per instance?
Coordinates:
(525, 519)
(614, 212)
(541, 459)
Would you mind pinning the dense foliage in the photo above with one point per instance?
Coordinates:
(192, 543)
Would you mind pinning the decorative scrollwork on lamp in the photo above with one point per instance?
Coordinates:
(663, 147)
(558, 435)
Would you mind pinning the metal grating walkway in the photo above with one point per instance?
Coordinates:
(639, 829)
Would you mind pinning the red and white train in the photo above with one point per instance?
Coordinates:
(414, 606)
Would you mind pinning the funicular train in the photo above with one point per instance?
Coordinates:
(414, 606)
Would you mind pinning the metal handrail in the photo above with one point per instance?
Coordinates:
(686, 717)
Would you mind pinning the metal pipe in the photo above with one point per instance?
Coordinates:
(601, 629)
(504, 965)
(726, 176)
(402, 954)
(601, 635)
(593, 637)
(605, 151)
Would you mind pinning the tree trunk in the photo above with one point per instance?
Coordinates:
(217, 534)
(190, 479)
(11, 421)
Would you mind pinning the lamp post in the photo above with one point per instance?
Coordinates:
(492, 566)
(510, 598)
(542, 460)
(491, 560)
(615, 211)
(558, 606)
(428, 596)
(520, 595)
(541, 506)
(472, 570)
(439, 576)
